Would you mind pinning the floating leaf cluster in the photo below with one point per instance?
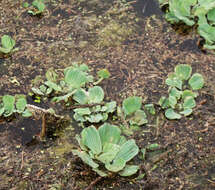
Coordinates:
(7, 44)
(38, 7)
(14, 104)
(75, 77)
(106, 150)
(194, 12)
(181, 92)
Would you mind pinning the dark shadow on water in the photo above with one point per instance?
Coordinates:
(146, 8)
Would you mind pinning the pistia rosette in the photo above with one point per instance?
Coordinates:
(106, 150)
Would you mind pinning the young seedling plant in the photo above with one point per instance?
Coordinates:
(8, 45)
(38, 7)
(14, 104)
(182, 92)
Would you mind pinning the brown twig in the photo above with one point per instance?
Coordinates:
(43, 130)
(41, 111)
(94, 182)
(22, 163)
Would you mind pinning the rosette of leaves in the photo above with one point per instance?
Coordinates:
(14, 104)
(182, 87)
(201, 12)
(75, 77)
(7, 44)
(38, 7)
(131, 108)
(94, 114)
(106, 150)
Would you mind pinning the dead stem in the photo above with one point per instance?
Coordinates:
(94, 182)
(43, 130)
(41, 111)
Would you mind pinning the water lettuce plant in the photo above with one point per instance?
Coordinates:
(131, 110)
(182, 87)
(75, 78)
(106, 151)
(194, 12)
(75, 88)
(13, 104)
(38, 7)
(7, 44)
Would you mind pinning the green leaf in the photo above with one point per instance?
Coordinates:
(85, 158)
(96, 118)
(181, 10)
(82, 111)
(172, 101)
(63, 98)
(143, 151)
(183, 71)
(51, 75)
(116, 166)
(91, 139)
(139, 118)
(150, 108)
(129, 170)
(96, 94)
(53, 86)
(75, 78)
(171, 114)
(207, 32)
(80, 142)
(164, 102)
(189, 102)
(186, 93)
(100, 172)
(152, 147)
(79, 117)
(174, 81)
(196, 81)
(37, 91)
(7, 42)
(109, 152)
(211, 16)
(39, 4)
(81, 96)
(128, 150)
(111, 106)
(21, 104)
(175, 92)
(103, 73)
(122, 140)
(26, 113)
(109, 133)
(186, 112)
(83, 67)
(8, 102)
(131, 104)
